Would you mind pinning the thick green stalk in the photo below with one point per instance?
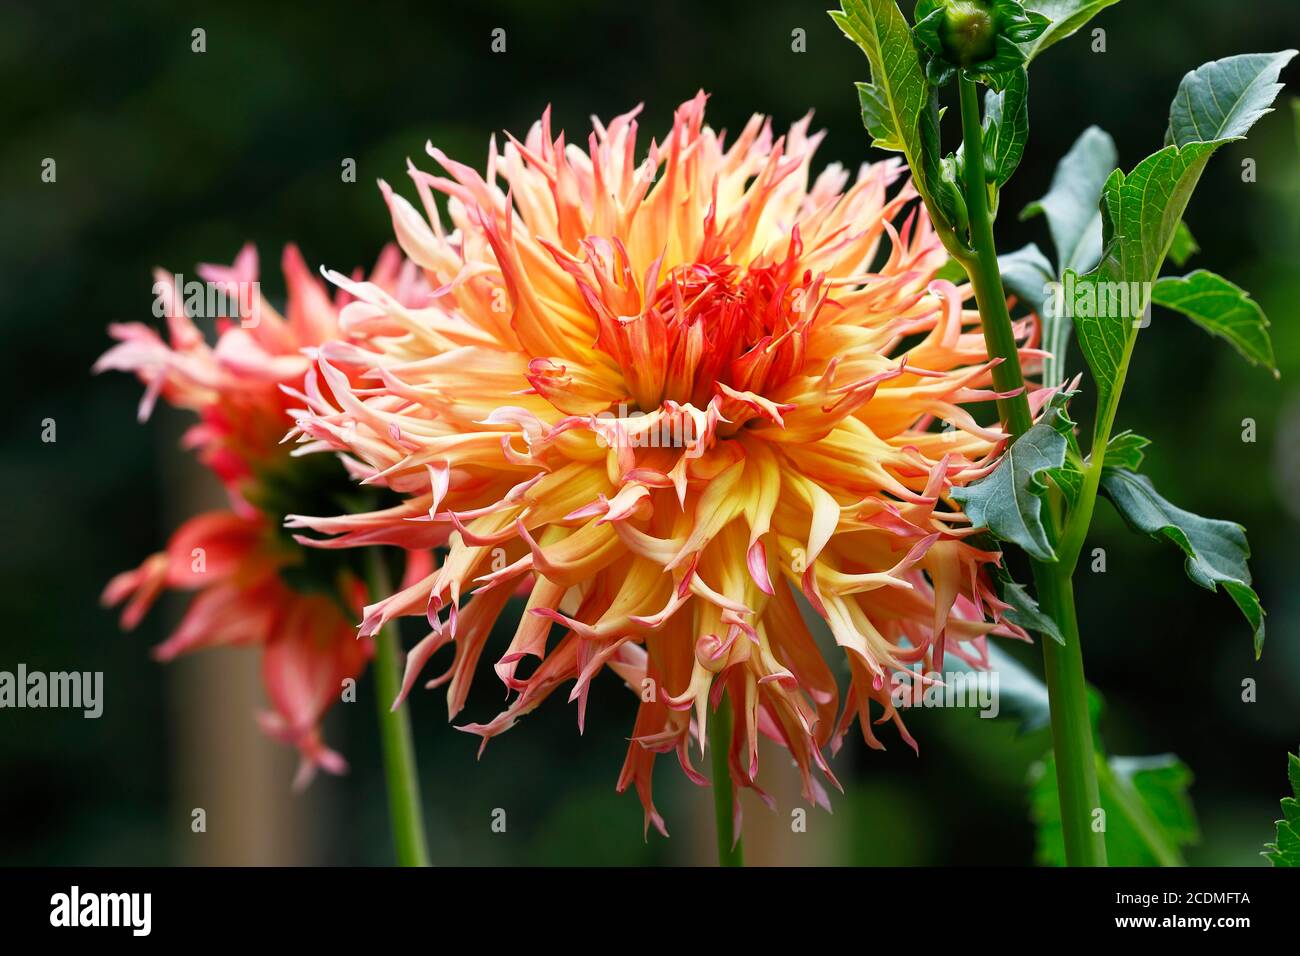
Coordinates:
(985, 276)
(1067, 691)
(1076, 771)
(400, 772)
(731, 850)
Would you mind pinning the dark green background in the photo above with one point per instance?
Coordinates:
(167, 157)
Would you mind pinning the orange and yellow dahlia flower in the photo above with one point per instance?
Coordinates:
(669, 403)
(255, 586)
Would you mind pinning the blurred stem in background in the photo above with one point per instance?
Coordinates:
(1063, 666)
(402, 777)
(731, 851)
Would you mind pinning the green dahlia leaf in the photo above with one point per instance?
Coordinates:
(1222, 309)
(1285, 850)
(1184, 246)
(929, 17)
(1024, 609)
(1027, 273)
(1066, 18)
(951, 176)
(1217, 551)
(1021, 694)
(1027, 26)
(1008, 56)
(952, 271)
(1071, 205)
(1142, 211)
(1221, 101)
(1006, 127)
(876, 118)
(1149, 816)
(899, 107)
(1126, 451)
(1009, 500)
(1074, 220)
(1140, 215)
(1069, 476)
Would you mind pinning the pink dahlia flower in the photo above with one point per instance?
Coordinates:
(672, 403)
(255, 586)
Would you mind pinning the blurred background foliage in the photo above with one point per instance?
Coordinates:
(169, 157)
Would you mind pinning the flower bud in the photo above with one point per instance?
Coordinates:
(982, 37)
(968, 31)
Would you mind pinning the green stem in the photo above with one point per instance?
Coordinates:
(1076, 530)
(1076, 771)
(1072, 743)
(985, 276)
(731, 849)
(400, 772)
